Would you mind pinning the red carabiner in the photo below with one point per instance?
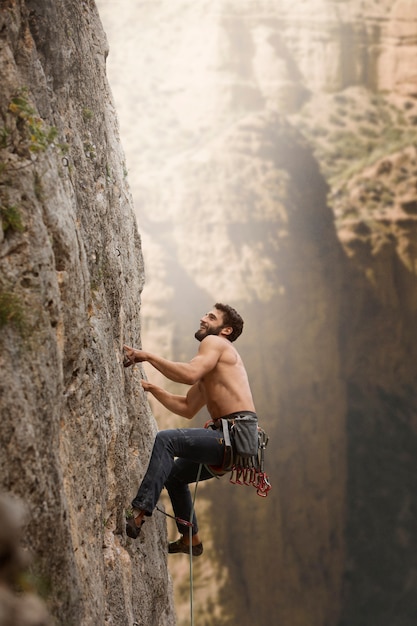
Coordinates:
(233, 476)
(239, 472)
(263, 485)
(247, 476)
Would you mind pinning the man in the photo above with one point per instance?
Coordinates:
(218, 380)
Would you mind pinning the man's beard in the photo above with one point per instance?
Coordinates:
(203, 332)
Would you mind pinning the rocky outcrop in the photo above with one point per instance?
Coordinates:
(75, 429)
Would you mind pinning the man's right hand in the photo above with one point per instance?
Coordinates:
(133, 356)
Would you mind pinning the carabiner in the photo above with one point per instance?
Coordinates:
(263, 485)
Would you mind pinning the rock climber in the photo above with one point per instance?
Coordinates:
(218, 381)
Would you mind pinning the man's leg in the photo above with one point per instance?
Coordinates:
(200, 445)
(182, 474)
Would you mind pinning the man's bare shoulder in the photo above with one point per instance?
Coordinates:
(221, 345)
(215, 342)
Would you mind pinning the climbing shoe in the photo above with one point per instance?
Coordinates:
(132, 530)
(176, 547)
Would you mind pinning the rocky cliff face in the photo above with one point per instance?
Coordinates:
(233, 205)
(75, 430)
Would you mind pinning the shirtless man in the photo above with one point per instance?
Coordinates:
(218, 380)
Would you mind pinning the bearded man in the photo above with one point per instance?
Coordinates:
(218, 381)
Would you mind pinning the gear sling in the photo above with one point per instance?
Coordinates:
(244, 457)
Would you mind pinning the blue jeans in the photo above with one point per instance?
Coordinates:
(192, 446)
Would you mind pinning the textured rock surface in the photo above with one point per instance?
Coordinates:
(232, 207)
(75, 429)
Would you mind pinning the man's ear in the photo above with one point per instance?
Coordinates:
(226, 330)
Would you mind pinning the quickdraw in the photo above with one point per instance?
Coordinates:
(177, 519)
(263, 485)
(245, 476)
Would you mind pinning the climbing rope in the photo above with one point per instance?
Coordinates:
(190, 531)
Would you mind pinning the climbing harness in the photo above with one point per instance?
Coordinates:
(245, 444)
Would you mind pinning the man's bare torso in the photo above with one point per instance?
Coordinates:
(226, 387)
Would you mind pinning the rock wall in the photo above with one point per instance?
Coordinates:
(75, 429)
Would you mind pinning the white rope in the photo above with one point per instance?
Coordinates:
(190, 531)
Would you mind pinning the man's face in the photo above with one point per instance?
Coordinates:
(210, 324)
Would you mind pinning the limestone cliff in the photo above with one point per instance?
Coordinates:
(75, 429)
(244, 111)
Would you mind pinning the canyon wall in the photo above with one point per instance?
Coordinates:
(75, 429)
(273, 152)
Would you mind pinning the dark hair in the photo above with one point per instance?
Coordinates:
(231, 318)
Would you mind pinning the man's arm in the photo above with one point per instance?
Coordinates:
(206, 359)
(186, 406)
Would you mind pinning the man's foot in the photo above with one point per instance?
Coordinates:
(179, 546)
(134, 525)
